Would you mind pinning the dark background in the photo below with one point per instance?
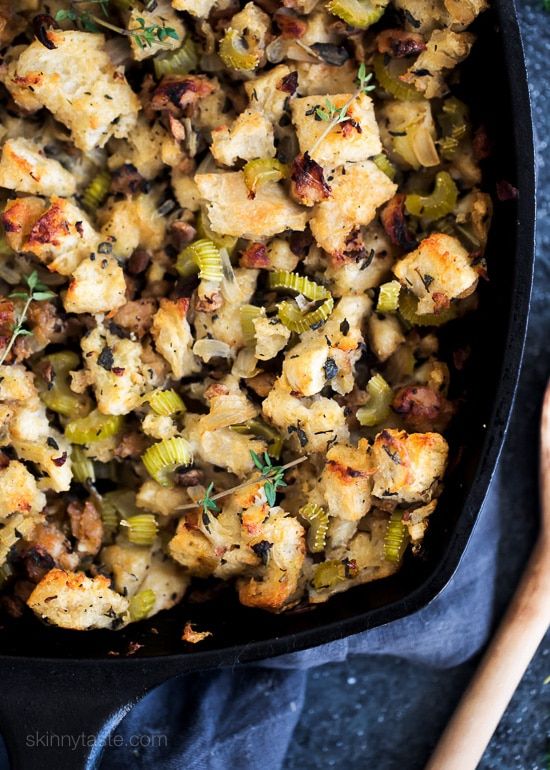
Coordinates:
(385, 713)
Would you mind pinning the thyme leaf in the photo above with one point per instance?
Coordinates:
(37, 292)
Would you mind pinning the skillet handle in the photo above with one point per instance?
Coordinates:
(57, 715)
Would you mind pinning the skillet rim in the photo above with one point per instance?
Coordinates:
(524, 257)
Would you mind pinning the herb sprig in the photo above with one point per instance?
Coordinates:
(273, 475)
(144, 35)
(37, 292)
(334, 115)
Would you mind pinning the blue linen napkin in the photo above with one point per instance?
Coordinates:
(243, 718)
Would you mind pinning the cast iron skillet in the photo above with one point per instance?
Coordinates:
(61, 682)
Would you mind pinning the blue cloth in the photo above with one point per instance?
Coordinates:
(243, 719)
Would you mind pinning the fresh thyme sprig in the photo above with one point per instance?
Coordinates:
(207, 502)
(37, 292)
(273, 475)
(144, 35)
(334, 115)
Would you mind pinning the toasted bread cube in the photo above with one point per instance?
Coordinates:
(72, 600)
(116, 370)
(19, 491)
(310, 423)
(36, 441)
(143, 148)
(304, 364)
(278, 580)
(358, 189)
(349, 275)
(438, 271)
(225, 324)
(19, 217)
(250, 136)
(162, 500)
(198, 8)
(173, 338)
(408, 466)
(133, 222)
(232, 212)
(61, 237)
(354, 140)
(16, 383)
(25, 168)
(347, 481)
(97, 286)
(322, 79)
(444, 50)
(266, 92)
(78, 83)
(385, 336)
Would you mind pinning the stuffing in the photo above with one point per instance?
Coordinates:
(142, 149)
(173, 338)
(128, 565)
(18, 491)
(363, 559)
(311, 424)
(15, 528)
(254, 26)
(167, 580)
(119, 376)
(71, 81)
(319, 79)
(385, 335)
(355, 139)
(132, 223)
(354, 274)
(25, 168)
(408, 133)
(232, 212)
(225, 324)
(271, 337)
(305, 365)
(18, 218)
(198, 8)
(16, 383)
(444, 50)
(86, 526)
(346, 480)
(268, 92)
(97, 286)
(81, 603)
(279, 256)
(162, 500)
(223, 446)
(159, 426)
(161, 15)
(463, 12)
(408, 466)
(423, 15)
(193, 550)
(358, 189)
(437, 272)
(281, 538)
(61, 237)
(36, 441)
(186, 190)
(249, 137)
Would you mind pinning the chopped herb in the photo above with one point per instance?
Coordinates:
(106, 358)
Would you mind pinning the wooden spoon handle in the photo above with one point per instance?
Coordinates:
(504, 663)
(512, 648)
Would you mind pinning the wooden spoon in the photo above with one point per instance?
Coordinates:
(512, 648)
